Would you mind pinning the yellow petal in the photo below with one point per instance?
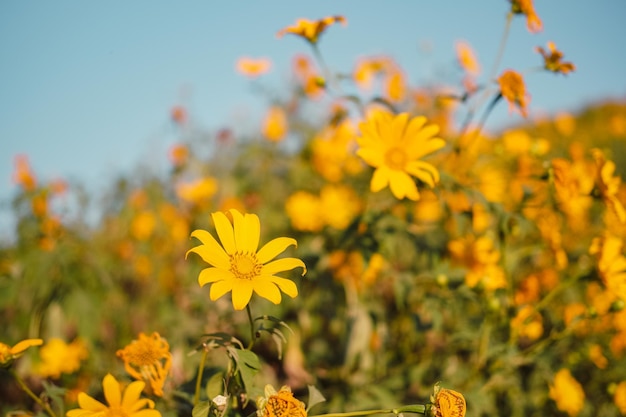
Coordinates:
(371, 156)
(402, 185)
(210, 251)
(25, 344)
(284, 264)
(87, 403)
(273, 248)
(398, 126)
(225, 232)
(208, 275)
(420, 149)
(286, 285)
(242, 292)
(220, 288)
(147, 413)
(380, 179)
(131, 396)
(112, 390)
(252, 227)
(268, 290)
(139, 404)
(415, 125)
(424, 171)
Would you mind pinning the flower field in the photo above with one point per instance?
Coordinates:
(376, 252)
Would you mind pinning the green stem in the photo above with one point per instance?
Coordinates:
(32, 395)
(418, 408)
(196, 396)
(252, 332)
(505, 37)
(325, 70)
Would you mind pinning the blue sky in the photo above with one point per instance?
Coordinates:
(87, 86)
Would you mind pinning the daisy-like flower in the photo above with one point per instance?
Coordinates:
(513, 89)
(527, 8)
(237, 266)
(608, 184)
(393, 145)
(280, 404)
(567, 392)
(252, 67)
(148, 359)
(466, 57)
(120, 404)
(311, 30)
(553, 59)
(8, 354)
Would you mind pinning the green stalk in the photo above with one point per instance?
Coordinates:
(252, 332)
(32, 395)
(196, 396)
(417, 408)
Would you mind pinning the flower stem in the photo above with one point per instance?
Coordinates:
(32, 395)
(196, 396)
(418, 408)
(252, 332)
(505, 37)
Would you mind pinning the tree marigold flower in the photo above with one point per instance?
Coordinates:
(567, 393)
(553, 59)
(148, 359)
(237, 266)
(252, 67)
(275, 124)
(620, 397)
(513, 89)
(447, 403)
(8, 354)
(466, 57)
(23, 174)
(120, 403)
(393, 145)
(526, 7)
(608, 184)
(59, 357)
(280, 404)
(311, 30)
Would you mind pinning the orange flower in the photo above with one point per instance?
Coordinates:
(275, 124)
(23, 175)
(467, 59)
(552, 59)
(367, 68)
(311, 30)
(312, 82)
(526, 7)
(178, 114)
(148, 359)
(513, 89)
(179, 154)
(252, 67)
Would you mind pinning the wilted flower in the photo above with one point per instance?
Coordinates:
(513, 89)
(311, 30)
(280, 404)
(8, 354)
(148, 359)
(447, 403)
(567, 392)
(552, 59)
(120, 403)
(393, 145)
(237, 266)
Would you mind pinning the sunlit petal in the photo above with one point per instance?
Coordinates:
(132, 394)
(242, 292)
(267, 289)
(209, 275)
(286, 285)
(88, 403)
(274, 248)
(220, 288)
(210, 251)
(112, 390)
(225, 232)
(284, 264)
(380, 179)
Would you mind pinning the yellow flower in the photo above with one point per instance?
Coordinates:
(467, 59)
(120, 404)
(526, 7)
(513, 89)
(609, 185)
(447, 403)
(305, 211)
(611, 263)
(252, 68)
(198, 191)
(237, 266)
(527, 324)
(567, 393)
(59, 357)
(148, 359)
(8, 354)
(143, 225)
(280, 404)
(339, 205)
(552, 59)
(620, 397)
(275, 124)
(393, 145)
(311, 30)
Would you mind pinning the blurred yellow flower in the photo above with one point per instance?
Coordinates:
(59, 357)
(305, 211)
(567, 392)
(339, 205)
(8, 354)
(332, 150)
(619, 397)
(198, 191)
(148, 359)
(280, 404)
(275, 124)
(527, 324)
(393, 145)
(120, 402)
(237, 266)
(311, 30)
(23, 174)
(611, 263)
(466, 57)
(311, 82)
(482, 260)
(252, 67)
(395, 86)
(513, 89)
(597, 357)
(367, 68)
(143, 225)
(609, 185)
(527, 8)
(179, 154)
(552, 59)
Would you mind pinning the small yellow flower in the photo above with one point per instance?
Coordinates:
(237, 266)
(513, 89)
(275, 124)
(609, 185)
(59, 357)
(148, 359)
(311, 30)
(120, 403)
(8, 354)
(280, 404)
(393, 145)
(611, 263)
(447, 403)
(252, 67)
(466, 57)
(620, 397)
(567, 392)
(552, 59)
(526, 7)
(198, 191)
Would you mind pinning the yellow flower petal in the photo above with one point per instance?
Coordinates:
(25, 344)
(225, 232)
(380, 178)
(402, 185)
(267, 290)
(210, 251)
(284, 264)
(285, 285)
(131, 396)
(273, 248)
(209, 275)
(87, 403)
(112, 390)
(220, 288)
(242, 293)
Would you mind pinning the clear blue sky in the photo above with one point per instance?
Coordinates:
(87, 86)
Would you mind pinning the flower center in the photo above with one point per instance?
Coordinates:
(143, 354)
(396, 158)
(244, 265)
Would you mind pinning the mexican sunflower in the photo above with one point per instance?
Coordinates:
(311, 30)
(237, 265)
(393, 144)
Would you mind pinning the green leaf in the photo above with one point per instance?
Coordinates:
(201, 409)
(248, 364)
(315, 397)
(215, 385)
